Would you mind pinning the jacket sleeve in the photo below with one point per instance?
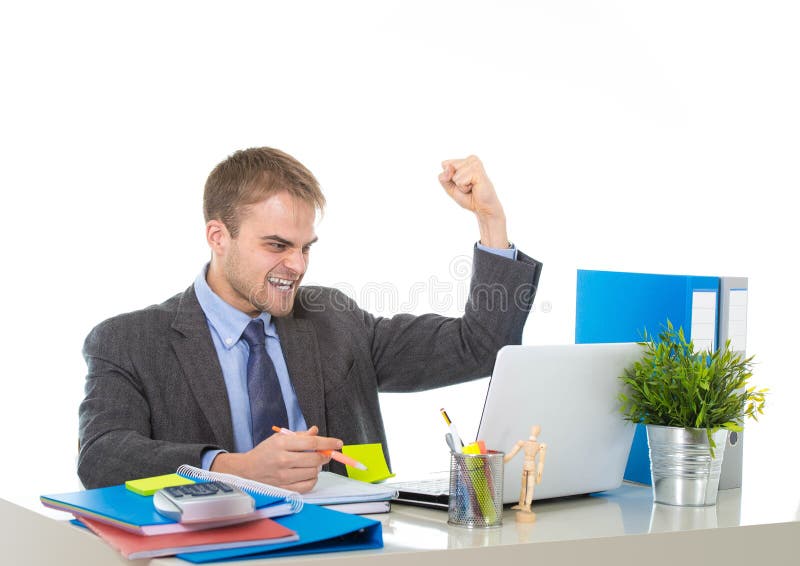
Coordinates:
(412, 353)
(115, 417)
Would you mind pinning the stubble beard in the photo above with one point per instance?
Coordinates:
(272, 301)
(258, 294)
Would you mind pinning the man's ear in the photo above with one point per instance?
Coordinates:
(217, 236)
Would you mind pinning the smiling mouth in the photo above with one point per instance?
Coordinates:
(283, 285)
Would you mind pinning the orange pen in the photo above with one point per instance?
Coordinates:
(335, 455)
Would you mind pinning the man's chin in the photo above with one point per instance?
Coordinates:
(277, 306)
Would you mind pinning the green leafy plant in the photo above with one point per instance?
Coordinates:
(673, 385)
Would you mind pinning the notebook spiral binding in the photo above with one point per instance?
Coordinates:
(294, 499)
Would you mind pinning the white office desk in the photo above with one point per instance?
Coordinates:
(619, 527)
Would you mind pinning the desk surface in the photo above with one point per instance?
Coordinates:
(618, 527)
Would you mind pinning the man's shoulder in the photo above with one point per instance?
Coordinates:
(152, 318)
(319, 300)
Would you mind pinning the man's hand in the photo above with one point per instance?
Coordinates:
(290, 461)
(467, 183)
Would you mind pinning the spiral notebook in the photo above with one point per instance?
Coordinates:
(332, 490)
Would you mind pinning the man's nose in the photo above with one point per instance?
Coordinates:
(296, 261)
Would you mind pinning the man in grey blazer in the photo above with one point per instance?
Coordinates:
(169, 385)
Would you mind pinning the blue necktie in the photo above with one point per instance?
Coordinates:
(266, 400)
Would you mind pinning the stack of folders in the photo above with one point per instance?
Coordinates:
(285, 523)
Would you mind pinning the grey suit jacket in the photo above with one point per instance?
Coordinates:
(156, 398)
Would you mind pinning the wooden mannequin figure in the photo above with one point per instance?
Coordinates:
(531, 471)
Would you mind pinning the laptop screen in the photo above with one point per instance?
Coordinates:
(570, 391)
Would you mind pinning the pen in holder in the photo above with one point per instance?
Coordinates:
(476, 489)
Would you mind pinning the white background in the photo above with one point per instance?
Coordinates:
(628, 135)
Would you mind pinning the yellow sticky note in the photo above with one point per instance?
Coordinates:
(148, 486)
(371, 455)
(472, 448)
(477, 447)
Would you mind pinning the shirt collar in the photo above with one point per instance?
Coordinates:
(227, 321)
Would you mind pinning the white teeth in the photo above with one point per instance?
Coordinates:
(283, 284)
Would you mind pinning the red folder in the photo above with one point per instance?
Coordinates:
(131, 545)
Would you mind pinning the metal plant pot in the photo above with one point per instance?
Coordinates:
(681, 466)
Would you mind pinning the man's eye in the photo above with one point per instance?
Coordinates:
(278, 247)
(306, 249)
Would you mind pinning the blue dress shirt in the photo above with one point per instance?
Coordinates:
(510, 253)
(226, 324)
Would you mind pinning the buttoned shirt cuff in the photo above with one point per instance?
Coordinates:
(510, 253)
(208, 458)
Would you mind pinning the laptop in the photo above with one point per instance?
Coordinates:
(571, 391)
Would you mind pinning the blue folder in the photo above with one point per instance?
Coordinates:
(123, 508)
(319, 529)
(614, 306)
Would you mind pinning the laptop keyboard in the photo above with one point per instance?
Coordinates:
(433, 486)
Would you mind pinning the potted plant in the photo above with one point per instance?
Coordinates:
(689, 401)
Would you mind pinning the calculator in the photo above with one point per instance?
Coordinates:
(203, 502)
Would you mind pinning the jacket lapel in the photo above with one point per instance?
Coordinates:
(198, 359)
(301, 352)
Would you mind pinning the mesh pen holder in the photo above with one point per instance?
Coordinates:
(476, 490)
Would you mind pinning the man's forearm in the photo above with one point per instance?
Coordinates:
(493, 231)
(121, 455)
